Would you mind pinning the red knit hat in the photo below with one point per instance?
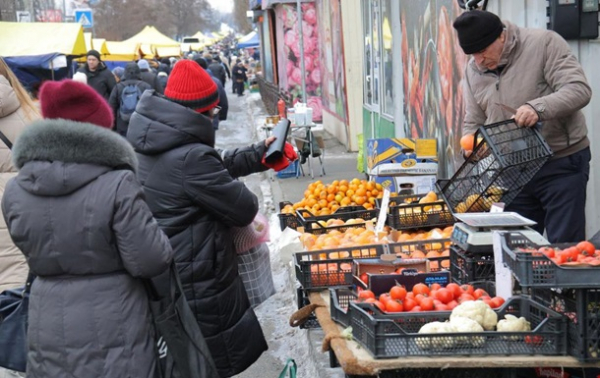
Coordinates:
(68, 99)
(191, 86)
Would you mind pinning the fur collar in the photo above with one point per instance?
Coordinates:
(73, 142)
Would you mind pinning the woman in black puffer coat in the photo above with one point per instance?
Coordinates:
(193, 193)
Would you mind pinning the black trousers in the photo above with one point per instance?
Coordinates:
(239, 88)
(555, 198)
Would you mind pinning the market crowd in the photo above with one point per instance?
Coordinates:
(115, 178)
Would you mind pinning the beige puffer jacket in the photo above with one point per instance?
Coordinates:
(13, 267)
(540, 70)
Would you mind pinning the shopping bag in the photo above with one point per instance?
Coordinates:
(254, 268)
(289, 371)
(257, 232)
(14, 307)
(183, 351)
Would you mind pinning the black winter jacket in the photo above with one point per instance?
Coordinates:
(102, 80)
(194, 196)
(131, 76)
(219, 71)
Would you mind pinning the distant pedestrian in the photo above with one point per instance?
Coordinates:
(218, 69)
(239, 77)
(223, 102)
(118, 72)
(161, 77)
(77, 212)
(98, 75)
(147, 74)
(125, 97)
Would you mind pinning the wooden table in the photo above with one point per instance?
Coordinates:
(355, 360)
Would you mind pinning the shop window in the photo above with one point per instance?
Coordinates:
(368, 74)
(388, 65)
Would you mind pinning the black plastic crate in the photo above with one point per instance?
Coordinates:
(311, 322)
(392, 336)
(470, 267)
(311, 224)
(331, 267)
(339, 304)
(537, 270)
(415, 215)
(436, 264)
(502, 163)
(582, 308)
(448, 373)
(287, 220)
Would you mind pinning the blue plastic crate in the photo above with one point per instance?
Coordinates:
(290, 171)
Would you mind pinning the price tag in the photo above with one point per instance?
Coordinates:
(497, 207)
(385, 203)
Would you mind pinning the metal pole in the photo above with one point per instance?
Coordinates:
(302, 67)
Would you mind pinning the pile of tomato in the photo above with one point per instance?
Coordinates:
(582, 253)
(427, 298)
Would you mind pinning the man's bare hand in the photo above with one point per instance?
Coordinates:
(269, 141)
(526, 116)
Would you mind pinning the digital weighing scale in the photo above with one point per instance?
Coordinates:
(475, 232)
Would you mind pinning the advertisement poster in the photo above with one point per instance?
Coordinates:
(290, 73)
(332, 58)
(433, 68)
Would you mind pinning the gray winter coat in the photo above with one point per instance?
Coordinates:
(78, 214)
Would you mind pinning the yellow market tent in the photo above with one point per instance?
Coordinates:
(100, 45)
(38, 38)
(121, 51)
(167, 51)
(151, 36)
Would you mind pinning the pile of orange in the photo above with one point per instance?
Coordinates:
(351, 237)
(321, 199)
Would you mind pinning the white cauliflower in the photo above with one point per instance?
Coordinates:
(478, 311)
(466, 325)
(436, 342)
(511, 323)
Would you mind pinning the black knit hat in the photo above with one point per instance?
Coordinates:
(94, 53)
(477, 30)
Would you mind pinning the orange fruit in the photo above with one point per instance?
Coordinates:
(467, 142)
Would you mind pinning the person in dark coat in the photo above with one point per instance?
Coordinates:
(147, 74)
(217, 69)
(161, 77)
(238, 74)
(131, 76)
(98, 76)
(192, 191)
(77, 212)
(223, 102)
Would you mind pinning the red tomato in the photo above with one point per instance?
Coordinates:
(416, 309)
(421, 289)
(427, 304)
(441, 307)
(419, 298)
(444, 296)
(410, 295)
(380, 305)
(454, 289)
(398, 292)
(467, 289)
(478, 293)
(548, 251)
(465, 297)
(394, 306)
(452, 304)
(436, 286)
(534, 340)
(364, 278)
(586, 248)
(486, 300)
(366, 294)
(409, 304)
(496, 302)
(383, 298)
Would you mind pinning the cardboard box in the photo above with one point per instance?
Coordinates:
(402, 156)
(408, 184)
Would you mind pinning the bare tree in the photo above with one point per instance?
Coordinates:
(241, 22)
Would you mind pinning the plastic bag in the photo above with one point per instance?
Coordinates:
(257, 232)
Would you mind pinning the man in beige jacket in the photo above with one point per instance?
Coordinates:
(535, 72)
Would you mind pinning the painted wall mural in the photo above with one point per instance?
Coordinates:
(290, 74)
(333, 82)
(433, 68)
